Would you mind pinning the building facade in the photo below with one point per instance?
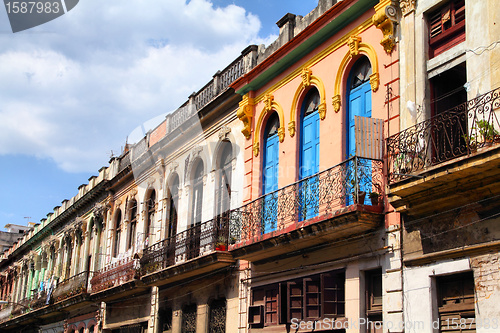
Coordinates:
(443, 165)
(342, 179)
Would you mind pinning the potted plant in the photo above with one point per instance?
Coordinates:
(374, 197)
(487, 131)
(357, 195)
(220, 245)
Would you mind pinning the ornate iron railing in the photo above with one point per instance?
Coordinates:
(75, 285)
(22, 306)
(312, 197)
(454, 133)
(189, 244)
(115, 274)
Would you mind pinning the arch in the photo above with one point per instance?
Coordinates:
(173, 189)
(270, 105)
(117, 234)
(308, 80)
(149, 212)
(224, 167)
(132, 224)
(355, 48)
(81, 325)
(196, 204)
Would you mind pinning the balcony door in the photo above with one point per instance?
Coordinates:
(359, 104)
(309, 156)
(193, 235)
(270, 177)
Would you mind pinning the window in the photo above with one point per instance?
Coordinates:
(309, 298)
(373, 292)
(133, 224)
(270, 174)
(446, 27)
(309, 155)
(118, 230)
(150, 215)
(456, 301)
(173, 204)
(448, 92)
(224, 172)
(217, 322)
(165, 315)
(197, 198)
(193, 235)
(189, 319)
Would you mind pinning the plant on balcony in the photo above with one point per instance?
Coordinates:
(220, 245)
(487, 131)
(374, 198)
(357, 195)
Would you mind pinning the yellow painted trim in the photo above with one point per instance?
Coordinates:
(271, 105)
(369, 51)
(317, 58)
(315, 81)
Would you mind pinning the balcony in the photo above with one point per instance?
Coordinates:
(195, 251)
(73, 286)
(433, 163)
(117, 274)
(313, 211)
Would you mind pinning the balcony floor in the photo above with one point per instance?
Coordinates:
(448, 185)
(200, 265)
(343, 223)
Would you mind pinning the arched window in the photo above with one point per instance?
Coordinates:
(197, 198)
(132, 225)
(193, 241)
(309, 155)
(150, 216)
(359, 104)
(224, 173)
(118, 230)
(173, 205)
(359, 97)
(270, 162)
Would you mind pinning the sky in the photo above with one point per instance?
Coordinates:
(74, 89)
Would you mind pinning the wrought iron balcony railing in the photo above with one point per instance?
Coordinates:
(454, 133)
(309, 198)
(75, 285)
(189, 244)
(113, 275)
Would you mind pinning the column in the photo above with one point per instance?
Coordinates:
(86, 248)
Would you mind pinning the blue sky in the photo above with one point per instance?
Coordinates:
(72, 90)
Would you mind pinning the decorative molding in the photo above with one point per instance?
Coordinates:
(353, 43)
(385, 19)
(367, 50)
(374, 81)
(173, 166)
(291, 128)
(256, 148)
(306, 76)
(268, 102)
(316, 82)
(322, 110)
(336, 103)
(281, 116)
(196, 151)
(407, 6)
(281, 134)
(245, 114)
(133, 192)
(224, 132)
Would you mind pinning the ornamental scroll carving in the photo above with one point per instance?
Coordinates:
(385, 19)
(245, 114)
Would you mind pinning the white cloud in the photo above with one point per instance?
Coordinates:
(74, 88)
